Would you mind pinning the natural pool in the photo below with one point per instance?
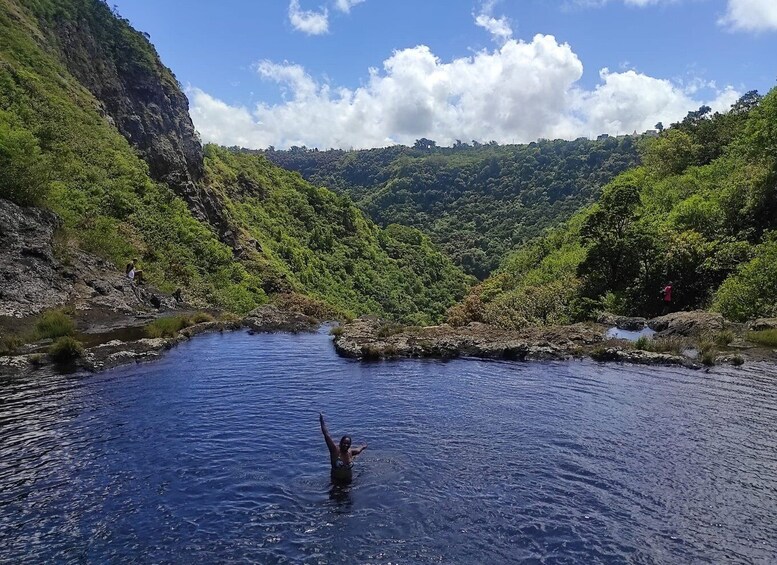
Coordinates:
(213, 454)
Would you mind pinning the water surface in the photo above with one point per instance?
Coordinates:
(214, 454)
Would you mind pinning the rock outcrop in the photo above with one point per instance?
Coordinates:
(38, 273)
(689, 324)
(368, 338)
(142, 99)
(762, 324)
(270, 318)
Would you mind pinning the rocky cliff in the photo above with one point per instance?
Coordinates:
(139, 96)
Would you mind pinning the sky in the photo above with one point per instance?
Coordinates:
(355, 74)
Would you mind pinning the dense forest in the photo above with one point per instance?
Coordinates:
(700, 213)
(477, 201)
(60, 149)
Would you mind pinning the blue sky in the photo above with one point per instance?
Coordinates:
(286, 72)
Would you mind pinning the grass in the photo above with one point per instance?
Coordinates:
(54, 324)
(201, 317)
(722, 339)
(10, 343)
(389, 329)
(65, 349)
(167, 327)
(674, 344)
(767, 338)
(336, 331)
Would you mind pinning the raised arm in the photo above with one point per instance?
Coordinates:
(357, 450)
(329, 443)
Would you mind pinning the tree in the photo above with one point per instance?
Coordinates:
(424, 144)
(611, 260)
(659, 126)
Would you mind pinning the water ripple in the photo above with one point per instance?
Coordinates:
(214, 453)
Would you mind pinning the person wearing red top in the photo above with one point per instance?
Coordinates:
(666, 292)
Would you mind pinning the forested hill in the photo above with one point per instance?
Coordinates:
(701, 213)
(476, 201)
(94, 127)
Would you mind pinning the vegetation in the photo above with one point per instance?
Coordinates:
(201, 317)
(766, 338)
(53, 324)
(58, 151)
(168, 326)
(65, 349)
(700, 212)
(476, 201)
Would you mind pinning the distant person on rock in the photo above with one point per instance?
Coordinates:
(666, 293)
(133, 273)
(341, 455)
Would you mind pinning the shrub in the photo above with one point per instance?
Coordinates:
(709, 357)
(389, 329)
(644, 343)
(10, 343)
(65, 349)
(751, 292)
(201, 317)
(23, 170)
(336, 331)
(767, 338)
(54, 324)
(722, 339)
(167, 327)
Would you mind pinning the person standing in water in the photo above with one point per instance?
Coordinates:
(342, 455)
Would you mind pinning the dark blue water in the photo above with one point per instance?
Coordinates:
(213, 454)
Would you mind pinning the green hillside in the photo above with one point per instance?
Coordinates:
(230, 229)
(701, 213)
(476, 201)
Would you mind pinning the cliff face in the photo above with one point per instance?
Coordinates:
(140, 96)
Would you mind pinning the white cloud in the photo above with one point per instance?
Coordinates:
(312, 23)
(750, 15)
(499, 28)
(520, 91)
(346, 5)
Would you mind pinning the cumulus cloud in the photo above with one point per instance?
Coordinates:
(518, 92)
(307, 21)
(750, 15)
(346, 5)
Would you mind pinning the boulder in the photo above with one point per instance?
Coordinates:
(687, 324)
(633, 324)
(762, 324)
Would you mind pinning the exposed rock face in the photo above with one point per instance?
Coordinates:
(33, 278)
(693, 323)
(763, 324)
(369, 338)
(143, 100)
(622, 322)
(270, 318)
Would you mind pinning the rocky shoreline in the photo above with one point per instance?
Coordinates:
(370, 338)
(116, 352)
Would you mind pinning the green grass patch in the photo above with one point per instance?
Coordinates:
(201, 317)
(167, 327)
(66, 349)
(336, 331)
(767, 338)
(54, 324)
(10, 343)
(724, 338)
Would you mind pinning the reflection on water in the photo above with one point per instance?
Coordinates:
(214, 454)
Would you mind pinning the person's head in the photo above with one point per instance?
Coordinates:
(345, 443)
(135, 261)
